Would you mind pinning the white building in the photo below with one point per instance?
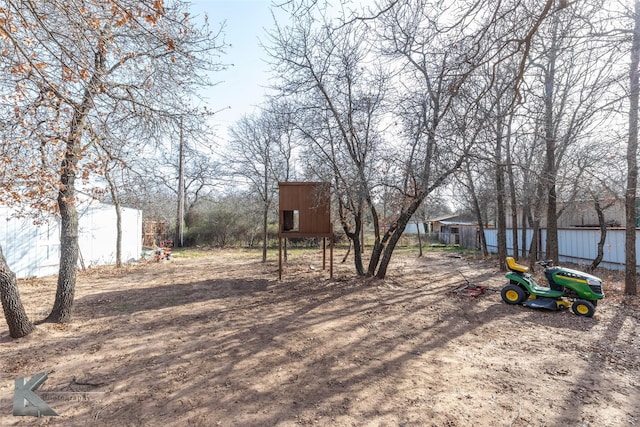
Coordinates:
(34, 250)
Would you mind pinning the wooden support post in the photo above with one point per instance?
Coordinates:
(279, 258)
(331, 257)
(324, 253)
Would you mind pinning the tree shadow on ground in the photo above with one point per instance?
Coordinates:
(253, 351)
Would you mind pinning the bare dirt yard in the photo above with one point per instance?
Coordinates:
(213, 338)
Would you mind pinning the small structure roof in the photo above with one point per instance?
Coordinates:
(459, 219)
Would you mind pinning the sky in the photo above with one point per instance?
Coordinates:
(242, 86)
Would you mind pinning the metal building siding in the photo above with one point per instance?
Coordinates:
(97, 234)
(34, 250)
(578, 245)
(26, 246)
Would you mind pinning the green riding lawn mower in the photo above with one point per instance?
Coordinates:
(567, 288)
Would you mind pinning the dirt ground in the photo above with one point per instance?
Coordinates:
(213, 338)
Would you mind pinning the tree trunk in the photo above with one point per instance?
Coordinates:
(550, 160)
(525, 208)
(603, 237)
(116, 202)
(419, 239)
(63, 304)
(500, 198)
(533, 248)
(483, 238)
(357, 246)
(392, 236)
(14, 313)
(512, 192)
(179, 236)
(630, 286)
(377, 244)
(346, 255)
(265, 232)
(477, 211)
(376, 252)
(118, 234)
(267, 204)
(552, 225)
(353, 236)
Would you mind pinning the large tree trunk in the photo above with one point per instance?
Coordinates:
(392, 236)
(265, 232)
(533, 248)
(524, 234)
(603, 236)
(14, 313)
(500, 198)
(477, 211)
(630, 286)
(552, 225)
(376, 252)
(346, 255)
(118, 233)
(377, 244)
(179, 236)
(419, 239)
(512, 193)
(357, 244)
(550, 160)
(116, 202)
(265, 213)
(63, 304)
(353, 235)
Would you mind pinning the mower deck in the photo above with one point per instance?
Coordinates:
(542, 302)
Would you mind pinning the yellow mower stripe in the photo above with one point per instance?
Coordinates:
(574, 279)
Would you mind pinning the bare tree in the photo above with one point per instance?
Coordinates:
(113, 156)
(603, 230)
(108, 168)
(435, 48)
(470, 184)
(443, 50)
(498, 115)
(509, 144)
(66, 64)
(180, 160)
(574, 76)
(340, 105)
(261, 148)
(630, 279)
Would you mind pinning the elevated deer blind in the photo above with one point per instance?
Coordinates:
(305, 213)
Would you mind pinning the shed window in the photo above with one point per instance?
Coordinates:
(291, 220)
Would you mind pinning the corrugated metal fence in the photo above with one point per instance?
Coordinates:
(576, 245)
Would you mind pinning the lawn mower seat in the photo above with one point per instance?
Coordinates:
(514, 266)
